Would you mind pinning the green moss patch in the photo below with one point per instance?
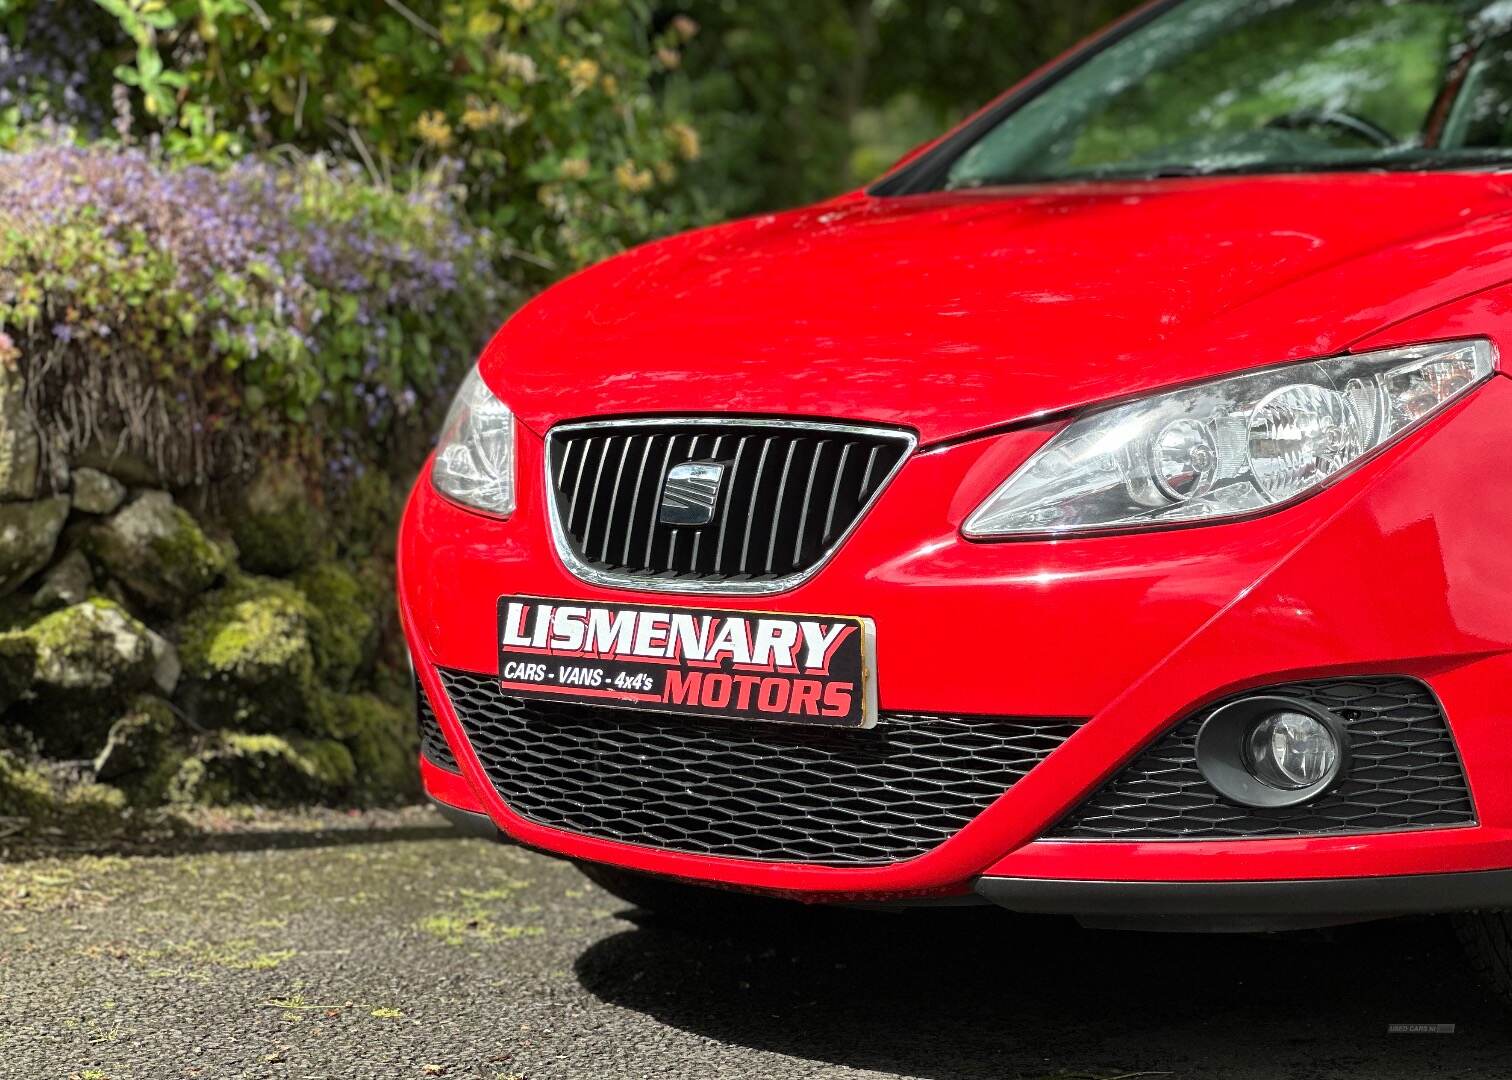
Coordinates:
(247, 657)
(279, 528)
(234, 767)
(143, 750)
(90, 659)
(343, 627)
(157, 551)
(383, 744)
(24, 791)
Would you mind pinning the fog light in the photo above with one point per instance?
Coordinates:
(1272, 751)
(1292, 751)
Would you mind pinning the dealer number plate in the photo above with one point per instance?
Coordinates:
(797, 669)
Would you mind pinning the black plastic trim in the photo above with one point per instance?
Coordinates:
(468, 822)
(1363, 897)
(1221, 751)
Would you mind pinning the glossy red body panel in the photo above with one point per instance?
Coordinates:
(448, 787)
(978, 321)
(955, 313)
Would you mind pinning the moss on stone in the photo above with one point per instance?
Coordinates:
(252, 628)
(28, 537)
(18, 666)
(367, 512)
(342, 623)
(28, 792)
(238, 767)
(95, 645)
(90, 804)
(90, 659)
(247, 657)
(138, 742)
(186, 556)
(278, 527)
(158, 552)
(70, 580)
(383, 743)
(24, 791)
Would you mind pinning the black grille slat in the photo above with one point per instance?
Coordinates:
(835, 489)
(744, 789)
(866, 477)
(724, 518)
(1404, 773)
(787, 471)
(640, 481)
(626, 443)
(577, 483)
(808, 503)
(433, 745)
(789, 491)
(753, 514)
(606, 451)
(651, 524)
(695, 565)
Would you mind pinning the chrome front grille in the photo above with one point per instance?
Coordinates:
(783, 494)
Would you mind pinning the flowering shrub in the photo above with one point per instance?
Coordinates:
(196, 317)
(551, 107)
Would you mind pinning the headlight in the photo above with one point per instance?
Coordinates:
(1231, 447)
(474, 463)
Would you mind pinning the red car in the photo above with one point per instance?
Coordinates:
(1107, 513)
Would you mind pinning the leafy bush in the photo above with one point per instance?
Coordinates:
(198, 317)
(802, 98)
(548, 105)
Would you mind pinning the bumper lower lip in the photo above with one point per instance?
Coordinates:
(467, 822)
(1322, 898)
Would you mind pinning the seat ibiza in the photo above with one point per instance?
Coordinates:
(1108, 512)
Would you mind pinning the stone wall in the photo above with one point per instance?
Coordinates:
(245, 652)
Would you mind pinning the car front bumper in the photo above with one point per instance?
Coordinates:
(1401, 568)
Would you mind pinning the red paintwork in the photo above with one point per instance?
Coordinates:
(977, 320)
(448, 787)
(955, 313)
(1396, 568)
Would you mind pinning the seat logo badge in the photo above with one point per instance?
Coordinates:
(691, 492)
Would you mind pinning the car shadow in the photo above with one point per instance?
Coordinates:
(978, 994)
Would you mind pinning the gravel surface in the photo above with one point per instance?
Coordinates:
(386, 946)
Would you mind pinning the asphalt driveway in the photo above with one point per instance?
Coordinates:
(385, 946)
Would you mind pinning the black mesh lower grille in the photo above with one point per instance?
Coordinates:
(752, 790)
(1404, 773)
(433, 745)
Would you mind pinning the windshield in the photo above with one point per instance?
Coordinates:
(1233, 86)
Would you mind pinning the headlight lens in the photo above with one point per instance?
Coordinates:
(474, 463)
(1231, 447)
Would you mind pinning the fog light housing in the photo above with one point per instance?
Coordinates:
(1272, 751)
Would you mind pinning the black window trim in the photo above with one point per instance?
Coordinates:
(925, 173)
